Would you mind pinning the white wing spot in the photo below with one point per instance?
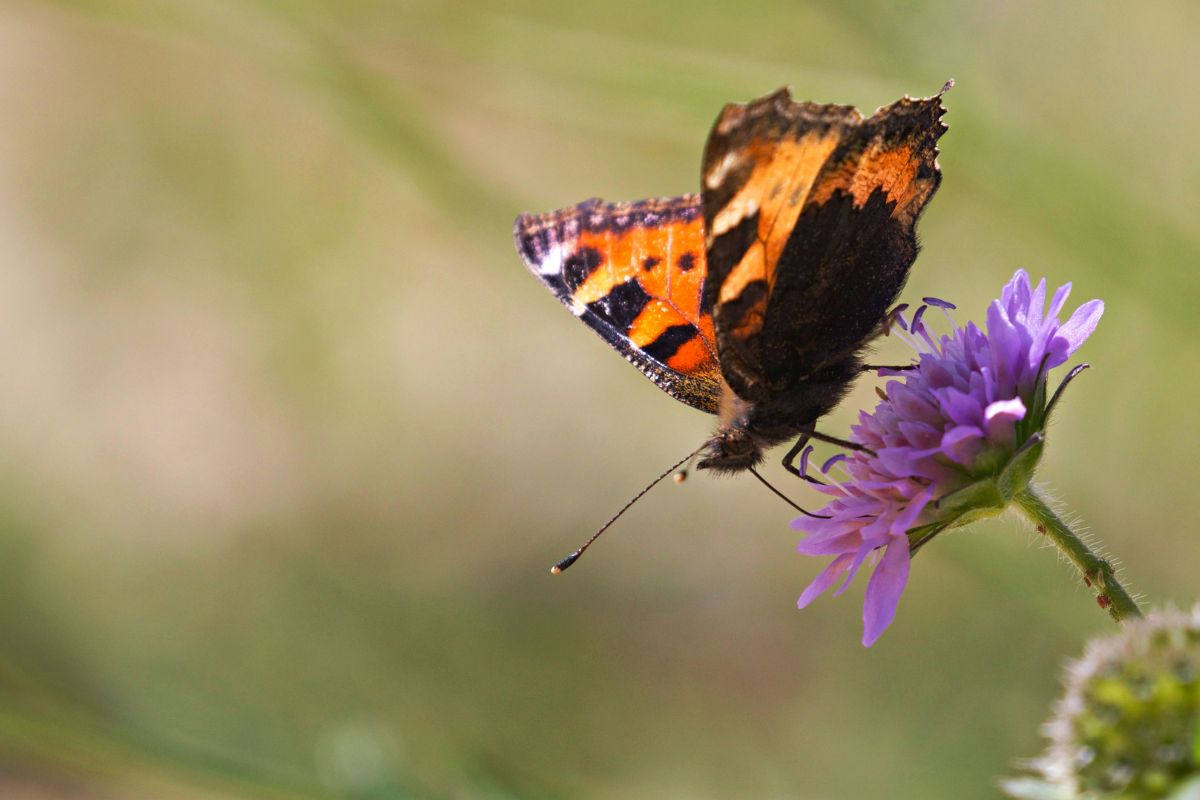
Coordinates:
(552, 263)
(716, 175)
(732, 215)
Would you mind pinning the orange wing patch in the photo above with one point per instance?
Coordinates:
(634, 272)
(895, 152)
(761, 166)
(776, 190)
(771, 158)
(668, 263)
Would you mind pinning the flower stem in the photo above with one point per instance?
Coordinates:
(1097, 572)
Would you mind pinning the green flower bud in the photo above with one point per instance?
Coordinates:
(1127, 724)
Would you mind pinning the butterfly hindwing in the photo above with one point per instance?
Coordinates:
(810, 212)
(634, 272)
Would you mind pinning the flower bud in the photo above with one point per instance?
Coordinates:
(1127, 725)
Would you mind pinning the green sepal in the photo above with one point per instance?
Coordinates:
(1020, 468)
(922, 535)
(1072, 375)
(988, 463)
(1036, 411)
(984, 494)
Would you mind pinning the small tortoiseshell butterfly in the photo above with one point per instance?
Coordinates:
(754, 299)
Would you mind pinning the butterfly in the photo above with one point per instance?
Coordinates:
(754, 299)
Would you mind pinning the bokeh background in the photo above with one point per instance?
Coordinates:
(288, 437)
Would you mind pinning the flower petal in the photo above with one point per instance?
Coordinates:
(1037, 303)
(835, 543)
(919, 434)
(960, 407)
(1001, 418)
(911, 405)
(824, 580)
(1015, 294)
(870, 536)
(1005, 346)
(859, 557)
(906, 520)
(962, 443)
(1081, 324)
(1060, 299)
(884, 590)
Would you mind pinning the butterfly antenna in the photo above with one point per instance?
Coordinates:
(784, 497)
(682, 475)
(571, 559)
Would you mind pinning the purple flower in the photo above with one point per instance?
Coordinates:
(949, 443)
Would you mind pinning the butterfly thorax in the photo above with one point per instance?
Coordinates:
(748, 428)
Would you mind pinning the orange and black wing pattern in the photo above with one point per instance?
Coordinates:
(810, 213)
(635, 273)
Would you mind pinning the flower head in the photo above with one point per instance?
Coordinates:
(1129, 722)
(948, 443)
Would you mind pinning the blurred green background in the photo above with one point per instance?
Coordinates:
(288, 437)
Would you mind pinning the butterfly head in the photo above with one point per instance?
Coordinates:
(733, 448)
(748, 429)
(737, 445)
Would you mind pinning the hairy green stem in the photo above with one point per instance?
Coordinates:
(1097, 572)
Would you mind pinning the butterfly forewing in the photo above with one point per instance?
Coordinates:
(810, 212)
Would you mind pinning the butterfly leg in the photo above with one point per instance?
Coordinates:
(821, 437)
(805, 437)
(784, 497)
(798, 448)
(873, 367)
(795, 451)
